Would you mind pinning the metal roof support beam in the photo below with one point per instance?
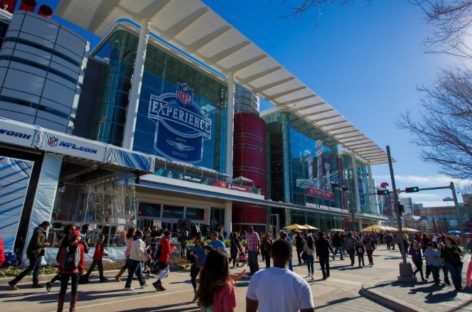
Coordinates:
(316, 113)
(367, 142)
(200, 43)
(153, 8)
(277, 95)
(334, 123)
(356, 142)
(324, 118)
(349, 136)
(259, 75)
(247, 63)
(374, 154)
(273, 84)
(101, 13)
(301, 99)
(333, 129)
(184, 23)
(135, 90)
(221, 55)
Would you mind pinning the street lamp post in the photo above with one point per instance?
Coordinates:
(406, 272)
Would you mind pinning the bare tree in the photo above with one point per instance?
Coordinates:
(445, 128)
(453, 26)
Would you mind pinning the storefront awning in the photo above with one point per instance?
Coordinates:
(193, 27)
(38, 138)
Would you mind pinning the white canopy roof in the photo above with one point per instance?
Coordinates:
(193, 27)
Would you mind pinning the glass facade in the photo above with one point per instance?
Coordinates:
(303, 162)
(182, 110)
(363, 184)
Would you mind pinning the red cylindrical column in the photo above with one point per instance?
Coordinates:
(45, 11)
(8, 5)
(28, 5)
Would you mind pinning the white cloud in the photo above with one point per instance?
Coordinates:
(437, 204)
(424, 181)
(421, 196)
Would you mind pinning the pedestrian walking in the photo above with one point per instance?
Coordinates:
(283, 235)
(369, 245)
(299, 243)
(199, 257)
(136, 255)
(34, 252)
(433, 262)
(253, 248)
(216, 243)
(234, 248)
(360, 250)
(322, 252)
(71, 266)
(129, 242)
(98, 259)
(441, 246)
(309, 255)
(163, 262)
(417, 259)
(337, 241)
(452, 259)
(389, 241)
(67, 232)
(278, 289)
(266, 246)
(216, 290)
(350, 246)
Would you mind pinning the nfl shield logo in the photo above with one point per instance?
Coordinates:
(184, 93)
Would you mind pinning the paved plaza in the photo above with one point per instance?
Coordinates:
(341, 292)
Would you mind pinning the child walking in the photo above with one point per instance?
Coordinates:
(71, 265)
(97, 260)
(433, 262)
(360, 250)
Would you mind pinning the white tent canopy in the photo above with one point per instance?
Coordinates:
(193, 27)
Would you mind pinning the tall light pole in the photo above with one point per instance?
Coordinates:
(406, 272)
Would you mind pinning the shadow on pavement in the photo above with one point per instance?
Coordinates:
(442, 297)
(170, 308)
(45, 297)
(338, 301)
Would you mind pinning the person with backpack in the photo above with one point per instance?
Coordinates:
(163, 262)
(71, 265)
(136, 255)
(35, 251)
(97, 259)
(68, 230)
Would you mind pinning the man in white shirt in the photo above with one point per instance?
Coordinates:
(278, 289)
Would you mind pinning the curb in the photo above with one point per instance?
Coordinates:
(386, 300)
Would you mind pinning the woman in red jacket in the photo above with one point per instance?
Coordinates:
(71, 266)
(164, 251)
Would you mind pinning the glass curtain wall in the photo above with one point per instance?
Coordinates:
(119, 53)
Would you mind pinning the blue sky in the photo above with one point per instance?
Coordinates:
(365, 59)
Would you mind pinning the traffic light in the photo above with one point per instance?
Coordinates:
(383, 192)
(401, 208)
(412, 189)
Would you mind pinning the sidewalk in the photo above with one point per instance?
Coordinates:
(420, 296)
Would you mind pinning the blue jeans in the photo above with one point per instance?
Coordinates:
(34, 265)
(95, 263)
(340, 248)
(134, 267)
(310, 260)
(456, 274)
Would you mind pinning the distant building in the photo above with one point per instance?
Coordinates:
(416, 207)
(407, 203)
(444, 218)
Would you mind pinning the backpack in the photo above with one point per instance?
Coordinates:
(71, 258)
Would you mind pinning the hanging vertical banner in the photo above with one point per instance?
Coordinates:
(15, 176)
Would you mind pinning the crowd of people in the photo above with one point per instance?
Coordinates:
(210, 276)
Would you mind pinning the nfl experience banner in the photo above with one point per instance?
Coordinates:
(183, 120)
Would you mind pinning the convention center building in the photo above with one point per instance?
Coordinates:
(160, 124)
